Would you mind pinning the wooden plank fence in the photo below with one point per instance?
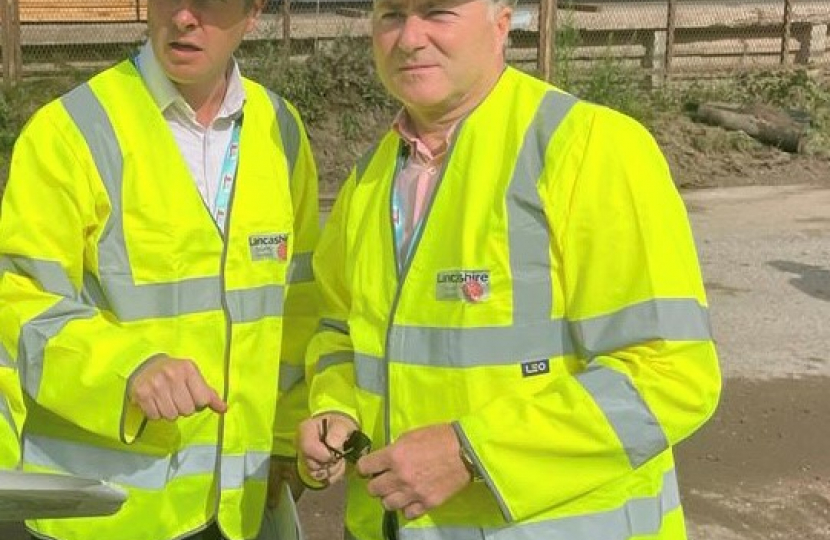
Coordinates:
(82, 11)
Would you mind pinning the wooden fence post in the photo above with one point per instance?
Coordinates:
(787, 30)
(12, 55)
(547, 38)
(286, 29)
(671, 22)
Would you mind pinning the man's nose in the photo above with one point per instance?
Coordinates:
(413, 33)
(186, 15)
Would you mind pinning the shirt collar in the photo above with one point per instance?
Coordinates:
(165, 94)
(402, 124)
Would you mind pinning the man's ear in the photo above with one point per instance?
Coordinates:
(504, 17)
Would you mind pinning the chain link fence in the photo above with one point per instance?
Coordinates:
(658, 39)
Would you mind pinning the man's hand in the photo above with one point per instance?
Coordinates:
(317, 436)
(166, 387)
(418, 472)
(283, 470)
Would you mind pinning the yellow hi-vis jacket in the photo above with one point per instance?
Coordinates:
(109, 257)
(552, 310)
(12, 412)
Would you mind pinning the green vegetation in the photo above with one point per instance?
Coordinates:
(338, 77)
(345, 107)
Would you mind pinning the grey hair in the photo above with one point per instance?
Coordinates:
(505, 3)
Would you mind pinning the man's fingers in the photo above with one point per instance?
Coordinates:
(166, 387)
(383, 484)
(395, 501)
(414, 510)
(338, 431)
(216, 404)
(330, 473)
(203, 395)
(166, 407)
(374, 463)
(148, 407)
(184, 402)
(314, 451)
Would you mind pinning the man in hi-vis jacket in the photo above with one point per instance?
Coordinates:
(156, 293)
(513, 311)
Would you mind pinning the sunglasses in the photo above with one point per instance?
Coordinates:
(356, 446)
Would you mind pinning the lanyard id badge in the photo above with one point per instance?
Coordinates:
(227, 177)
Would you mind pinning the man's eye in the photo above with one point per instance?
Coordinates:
(440, 13)
(391, 15)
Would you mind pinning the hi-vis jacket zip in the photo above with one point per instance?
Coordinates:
(570, 364)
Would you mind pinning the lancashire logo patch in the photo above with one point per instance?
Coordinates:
(471, 286)
(269, 247)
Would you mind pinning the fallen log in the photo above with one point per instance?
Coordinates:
(765, 123)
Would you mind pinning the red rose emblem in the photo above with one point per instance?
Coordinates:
(472, 290)
(282, 251)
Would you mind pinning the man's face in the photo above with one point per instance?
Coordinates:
(435, 55)
(195, 39)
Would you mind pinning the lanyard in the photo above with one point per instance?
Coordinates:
(399, 220)
(227, 177)
(398, 223)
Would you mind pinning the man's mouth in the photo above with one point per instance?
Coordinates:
(184, 47)
(415, 67)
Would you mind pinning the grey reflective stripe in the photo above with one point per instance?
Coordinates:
(35, 335)
(478, 346)
(92, 121)
(49, 274)
(363, 163)
(530, 237)
(370, 373)
(6, 358)
(129, 302)
(638, 517)
(6, 413)
(676, 319)
(301, 270)
(341, 327)
(141, 470)
(251, 305)
(333, 359)
(670, 319)
(638, 430)
(128, 468)
(289, 131)
(238, 469)
(93, 295)
(156, 300)
(290, 376)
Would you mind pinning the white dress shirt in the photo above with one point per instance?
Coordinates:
(203, 148)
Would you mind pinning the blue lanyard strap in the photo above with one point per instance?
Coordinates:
(227, 177)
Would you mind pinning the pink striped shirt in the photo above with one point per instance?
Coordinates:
(416, 180)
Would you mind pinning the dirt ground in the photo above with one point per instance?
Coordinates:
(760, 469)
